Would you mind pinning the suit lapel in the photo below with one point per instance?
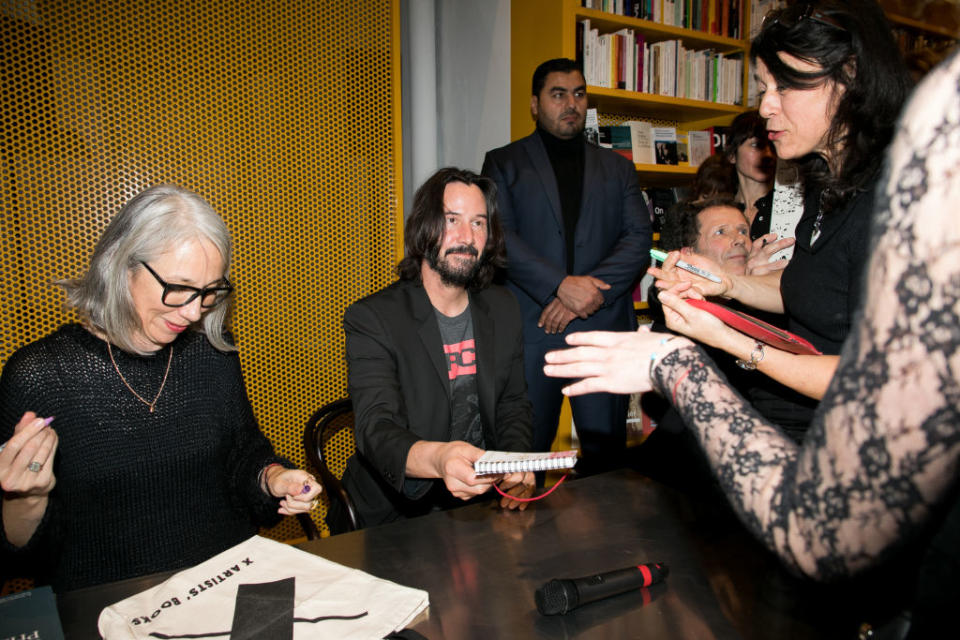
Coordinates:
(429, 332)
(541, 163)
(486, 356)
(592, 176)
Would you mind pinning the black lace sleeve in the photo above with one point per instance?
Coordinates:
(884, 445)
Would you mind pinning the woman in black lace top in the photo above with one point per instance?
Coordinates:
(878, 467)
(157, 461)
(831, 85)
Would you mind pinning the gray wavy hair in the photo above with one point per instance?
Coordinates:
(146, 227)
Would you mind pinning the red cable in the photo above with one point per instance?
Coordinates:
(542, 495)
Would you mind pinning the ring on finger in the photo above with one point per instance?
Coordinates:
(35, 466)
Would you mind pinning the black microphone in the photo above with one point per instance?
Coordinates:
(561, 596)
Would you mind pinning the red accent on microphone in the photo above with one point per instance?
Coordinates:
(647, 576)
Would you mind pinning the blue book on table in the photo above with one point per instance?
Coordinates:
(30, 614)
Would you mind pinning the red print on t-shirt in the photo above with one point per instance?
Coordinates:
(461, 359)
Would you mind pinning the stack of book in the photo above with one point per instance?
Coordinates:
(642, 143)
(624, 60)
(718, 17)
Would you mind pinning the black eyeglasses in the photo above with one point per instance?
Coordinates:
(178, 295)
(806, 13)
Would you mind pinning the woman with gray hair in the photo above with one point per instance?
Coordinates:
(157, 461)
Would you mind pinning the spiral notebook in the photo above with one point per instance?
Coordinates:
(493, 462)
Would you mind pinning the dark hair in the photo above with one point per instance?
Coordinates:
(747, 125)
(562, 65)
(424, 229)
(715, 176)
(852, 42)
(681, 228)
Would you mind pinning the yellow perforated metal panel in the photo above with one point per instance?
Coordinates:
(284, 115)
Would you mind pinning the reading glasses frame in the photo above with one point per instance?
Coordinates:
(219, 292)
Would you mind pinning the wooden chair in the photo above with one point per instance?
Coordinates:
(328, 441)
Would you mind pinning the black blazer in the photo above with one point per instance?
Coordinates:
(399, 386)
(613, 235)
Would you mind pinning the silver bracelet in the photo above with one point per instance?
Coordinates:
(755, 357)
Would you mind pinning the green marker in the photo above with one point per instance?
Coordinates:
(656, 254)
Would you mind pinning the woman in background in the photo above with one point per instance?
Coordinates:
(745, 170)
(157, 462)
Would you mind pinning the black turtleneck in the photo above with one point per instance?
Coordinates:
(567, 160)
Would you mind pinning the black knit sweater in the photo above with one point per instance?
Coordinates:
(137, 492)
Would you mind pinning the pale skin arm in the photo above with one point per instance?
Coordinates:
(453, 463)
(26, 493)
(757, 291)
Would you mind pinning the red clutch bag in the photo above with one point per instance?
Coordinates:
(757, 328)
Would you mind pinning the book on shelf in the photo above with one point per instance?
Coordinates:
(496, 462)
(30, 614)
(641, 137)
(718, 17)
(699, 146)
(683, 156)
(617, 139)
(660, 200)
(665, 145)
(592, 127)
(624, 60)
(719, 137)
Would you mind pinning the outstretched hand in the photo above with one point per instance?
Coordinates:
(608, 361)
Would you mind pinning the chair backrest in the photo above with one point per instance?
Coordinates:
(328, 441)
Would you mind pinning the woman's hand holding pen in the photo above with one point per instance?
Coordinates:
(669, 274)
(26, 459)
(26, 475)
(298, 490)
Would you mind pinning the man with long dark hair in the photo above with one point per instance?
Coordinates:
(436, 363)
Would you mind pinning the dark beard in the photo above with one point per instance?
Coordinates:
(452, 276)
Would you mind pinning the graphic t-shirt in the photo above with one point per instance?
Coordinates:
(461, 356)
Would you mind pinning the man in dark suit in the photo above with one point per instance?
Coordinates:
(578, 237)
(436, 363)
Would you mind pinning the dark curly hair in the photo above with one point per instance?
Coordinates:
(681, 228)
(852, 42)
(423, 232)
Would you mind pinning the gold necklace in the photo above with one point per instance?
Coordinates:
(127, 384)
